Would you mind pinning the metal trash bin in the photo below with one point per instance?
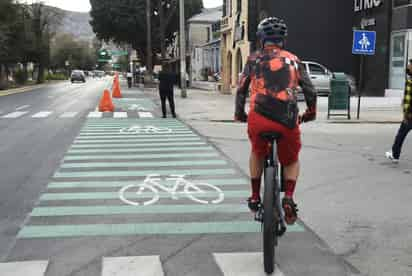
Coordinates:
(339, 97)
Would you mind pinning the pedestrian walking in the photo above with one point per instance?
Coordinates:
(406, 124)
(129, 76)
(167, 80)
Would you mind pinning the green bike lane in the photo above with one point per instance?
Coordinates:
(81, 217)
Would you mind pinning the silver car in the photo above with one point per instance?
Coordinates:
(321, 76)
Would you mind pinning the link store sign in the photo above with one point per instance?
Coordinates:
(362, 5)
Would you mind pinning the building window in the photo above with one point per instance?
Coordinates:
(208, 34)
(239, 6)
(400, 3)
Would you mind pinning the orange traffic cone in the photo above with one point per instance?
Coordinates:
(106, 104)
(116, 90)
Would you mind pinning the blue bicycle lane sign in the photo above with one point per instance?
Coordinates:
(364, 42)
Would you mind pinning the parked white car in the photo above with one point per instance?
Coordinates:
(320, 76)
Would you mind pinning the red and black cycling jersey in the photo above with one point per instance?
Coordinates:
(276, 73)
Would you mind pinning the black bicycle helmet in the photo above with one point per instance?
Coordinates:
(272, 28)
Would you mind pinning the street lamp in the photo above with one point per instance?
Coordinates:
(182, 49)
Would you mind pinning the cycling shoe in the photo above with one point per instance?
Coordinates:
(291, 212)
(253, 204)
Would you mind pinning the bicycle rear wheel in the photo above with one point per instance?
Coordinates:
(270, 219)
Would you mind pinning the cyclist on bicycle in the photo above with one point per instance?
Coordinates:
(274, 76)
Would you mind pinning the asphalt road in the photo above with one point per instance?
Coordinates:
(31, 148)
(63, 211)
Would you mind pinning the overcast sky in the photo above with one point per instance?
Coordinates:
(84, 5)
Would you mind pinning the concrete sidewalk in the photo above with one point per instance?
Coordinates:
(210, 105)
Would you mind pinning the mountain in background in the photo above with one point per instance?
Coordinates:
(75, 23)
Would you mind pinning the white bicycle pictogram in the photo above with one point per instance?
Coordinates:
(151, 186)
(137, 107)
(145, 130)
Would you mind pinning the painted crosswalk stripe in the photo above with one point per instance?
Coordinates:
(133, 195)
(142, 164)
(243, 264)
(131, 145)
(136, 140)
(14, 115)
(127, 266)
(114, 128)
(32, 268)
(125, 130)
(119, 115)
(135, 150)
(42, 114)
(95, 115)
(145, 115)
(22, 107)
(128, 209)
(115, 122)
(118, 184)
(117, 133)
(62, 175)
(83, 230)
(132, 136)
(139, 156)
(69, 115)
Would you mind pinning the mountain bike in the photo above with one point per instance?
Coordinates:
(270, 212)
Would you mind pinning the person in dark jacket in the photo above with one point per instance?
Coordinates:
(406, 125)
(166, 81)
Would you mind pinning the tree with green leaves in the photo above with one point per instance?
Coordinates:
(124, 21)
(44, 24)
(78, 53)
(9, 36)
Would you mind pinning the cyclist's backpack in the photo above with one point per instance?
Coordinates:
(277, 82)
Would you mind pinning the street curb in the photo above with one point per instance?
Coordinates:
(25, 89)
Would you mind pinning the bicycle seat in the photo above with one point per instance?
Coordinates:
(271, 136)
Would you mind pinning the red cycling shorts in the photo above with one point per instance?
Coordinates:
(288, 146)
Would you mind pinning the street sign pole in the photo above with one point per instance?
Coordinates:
(364, 43)
(360, 85)
(182, 49)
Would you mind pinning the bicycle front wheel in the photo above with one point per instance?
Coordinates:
(270, 220)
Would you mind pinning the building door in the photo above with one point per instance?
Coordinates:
(399, 54)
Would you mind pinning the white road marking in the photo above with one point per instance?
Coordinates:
(120, 115)
(68, 115)
(242, 264)
(22, 107)
(126, 266)
(42, 114)
(145, 115)
(95, 115)
(32, 268)
(14, 115)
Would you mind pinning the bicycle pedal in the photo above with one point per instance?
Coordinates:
(281, 231)
(259, 215)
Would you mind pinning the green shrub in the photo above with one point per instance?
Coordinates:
(20, 77)
(57, 76)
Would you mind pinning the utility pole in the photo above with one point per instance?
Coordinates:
(149, 42)
(182, 49)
